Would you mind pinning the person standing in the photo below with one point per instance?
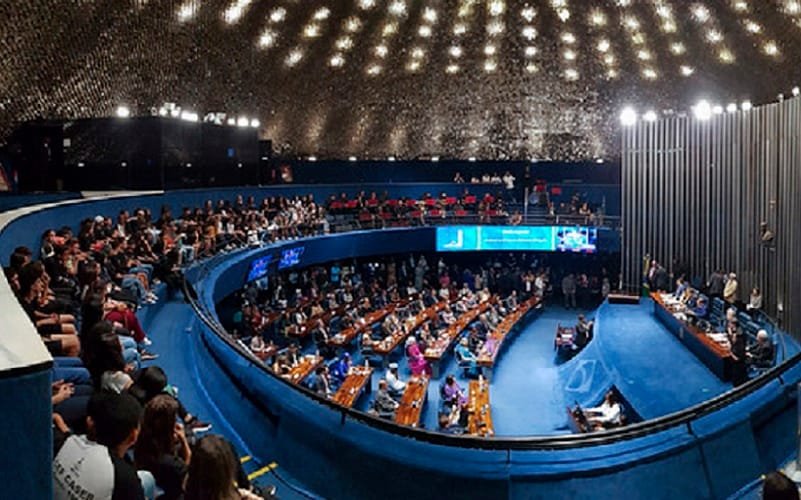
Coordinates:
(714, 285)
(569, 290)
(730, 290)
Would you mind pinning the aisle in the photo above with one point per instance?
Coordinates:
(527, 398)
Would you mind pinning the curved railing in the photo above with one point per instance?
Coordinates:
(632, 431)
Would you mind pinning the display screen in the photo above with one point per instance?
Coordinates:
(509, 238)
(259, 268)
(290, 257)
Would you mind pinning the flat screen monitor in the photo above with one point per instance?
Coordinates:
(259, 268)
(290, 257)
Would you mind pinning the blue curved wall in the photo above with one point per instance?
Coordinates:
(714, 455)
(710, 457)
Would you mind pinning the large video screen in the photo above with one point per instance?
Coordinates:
(517, 238)
(259, 268)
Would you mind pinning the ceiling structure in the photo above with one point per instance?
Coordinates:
(491, 79)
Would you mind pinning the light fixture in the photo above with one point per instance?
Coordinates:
(472, 159)
(352, 158)
(435, 158)
(731, 108)
(123, 112)
(312, 158)
(650, 116)
(599, 161)
(391, 158)
(628, 117)
(796, 91)
(717, 109)
(702, 110)
(746, 106)
(231, 121)
(242, 122)
(255, 123)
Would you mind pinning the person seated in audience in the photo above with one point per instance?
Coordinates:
(474, 340)
(511, 302)
(395, 385)
(215, 473)
(341, 369)
(383, 404)
(777, 486)
(465, 356)
(322, 383)
(417, 362)
(754, 303)
(151, 382)
(452, 394)
(484, 295)
(320, 338)
(162, 447)
(257, 345)
(761, 354)
(447, 315)
(609, 414)
(94, 465)
(455, 421)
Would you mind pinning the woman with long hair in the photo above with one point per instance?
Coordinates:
(162, 447)
(213, 472)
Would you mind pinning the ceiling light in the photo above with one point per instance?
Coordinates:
(731, 108)
(650, 116)
(242, 122)
(628, 117)
(255, 123)
(796, 91)
(702, 110)
(746, 106)
(123, 112)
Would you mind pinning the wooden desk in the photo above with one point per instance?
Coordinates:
(479, 421)
(496, 338)
(714, 355)
(437, 350)
(348, 335)
(268, 352)
(353, 385)
(412, 402)
(564, 341)
(303, 369)
(386, 346)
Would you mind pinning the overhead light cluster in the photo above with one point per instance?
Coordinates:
(667, 24)
(638, 44)
(529, 34)
(187, 10)
(236, 10)
(711, 32)
(604, 50)
(567, 39)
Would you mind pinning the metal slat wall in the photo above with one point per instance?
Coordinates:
(697, 191)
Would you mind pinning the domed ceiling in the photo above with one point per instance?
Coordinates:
(456, 78)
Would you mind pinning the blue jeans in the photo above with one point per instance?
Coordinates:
(147, 269)
(148, 483)
(133, 285)
(130, 352)
(70, 370)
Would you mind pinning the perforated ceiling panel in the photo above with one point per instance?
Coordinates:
(372, 78)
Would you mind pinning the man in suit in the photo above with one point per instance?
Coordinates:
(762, 353)
(569, 290)
(583, 332)
(714, 284)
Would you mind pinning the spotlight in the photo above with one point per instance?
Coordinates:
(599, 161)
(702, 110)
(163, 111)
(717, 109)
(472, 159)
(746, 106)
(435, 158)
(188, 165)
(231, 121)
(650, 116)
(123, 112)
(796, 91)
(731, 108)
(352, 158)
(312, 158)
(239, 165)
(123, 164)
(175, 112)
(255, 123)
(242, 122)
(391, 158)
(81, 164)
(628, 117)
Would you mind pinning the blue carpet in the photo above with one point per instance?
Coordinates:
(177, 353)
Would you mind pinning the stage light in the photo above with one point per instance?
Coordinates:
(717, 109)
(455, 51)
(188, 165)
(231, 121)
(390, 158)
(687, 70)
(278, 15)
(312, 158)
(731, 108)
(435, 158)
(746, 106)
(650, 116)
(163, 111)
(796, 91)
(81, 164)
(175, 112)
(351, 158)
(123, 164)
(599, 161)
(123, 112)
(472, 159)
(628, 117)
(702, 110)
(255, 123)
(242, 122)
(189, 116)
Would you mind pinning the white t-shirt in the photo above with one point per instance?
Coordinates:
(82, 469)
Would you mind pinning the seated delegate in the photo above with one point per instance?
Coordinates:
(609, 414)
(762, 353)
